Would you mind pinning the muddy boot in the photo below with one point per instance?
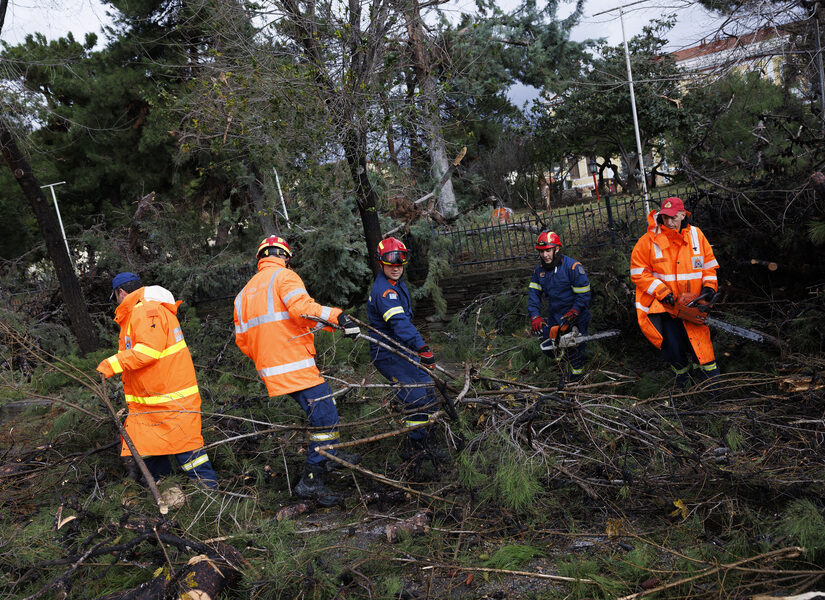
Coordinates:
(331, 465)
(311, 487)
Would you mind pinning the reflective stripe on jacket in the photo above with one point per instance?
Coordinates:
(665, 261)
(269, 328)
(158, 375)
(565, 287)
(389, 309)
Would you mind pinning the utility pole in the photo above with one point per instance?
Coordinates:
(621, 8)
(59, 219)
(281, 195)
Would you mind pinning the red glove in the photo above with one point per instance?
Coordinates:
(426, 356)
(537, 325)
(570, 317)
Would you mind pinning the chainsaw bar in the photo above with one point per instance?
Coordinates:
(574, 338)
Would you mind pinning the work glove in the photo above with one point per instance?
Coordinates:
(425, 355)
(105, 368)
(708, 293)
(537, 325)
(669, 299)
(350, 329)
(570, 317)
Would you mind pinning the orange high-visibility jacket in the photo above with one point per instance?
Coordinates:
(269, 328)
(666, 261)
(158, 375)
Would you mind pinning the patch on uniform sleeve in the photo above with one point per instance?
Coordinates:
(392, 296)
(541, 274)
(698, 262)
(580, 269)
(390, 293)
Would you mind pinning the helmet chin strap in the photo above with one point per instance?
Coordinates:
(553, 263)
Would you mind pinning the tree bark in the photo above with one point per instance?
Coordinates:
(79, 319)
(355, 149)
(431, 120)
(262, 211)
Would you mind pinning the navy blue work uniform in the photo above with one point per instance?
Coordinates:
(390, 311)
(195, 464)
(566, 287)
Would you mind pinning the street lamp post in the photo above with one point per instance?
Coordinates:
(594, 168)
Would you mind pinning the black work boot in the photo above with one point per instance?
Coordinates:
(311, 487)
(331, 465)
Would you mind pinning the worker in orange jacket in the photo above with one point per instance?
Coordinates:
(271, 330)
(159, 381)
(671, 259)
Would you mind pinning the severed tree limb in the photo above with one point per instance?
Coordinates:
(383, 478)
(790, 552)
(150, 481)
(431, 196)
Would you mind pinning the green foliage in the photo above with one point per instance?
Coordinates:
(513, 556)
(436, 249)
(803, 522)
(816, 232)
(737, 128)
(592, 120)
(734, 439)
(517, 482)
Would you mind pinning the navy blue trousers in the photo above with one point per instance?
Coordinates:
(322, 414)
(195, 464)
(575, 354)
(418, 402)
(678, 351)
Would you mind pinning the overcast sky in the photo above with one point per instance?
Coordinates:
(54, 18)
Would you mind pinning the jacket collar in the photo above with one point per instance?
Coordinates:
(271, 261)
(124, 309)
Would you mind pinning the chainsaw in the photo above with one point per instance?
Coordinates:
(694, 308)
(564, 336)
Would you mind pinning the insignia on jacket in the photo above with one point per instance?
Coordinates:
(698, 263)
(393, 296)
(541, 274)
(127, 342)
(580, 270)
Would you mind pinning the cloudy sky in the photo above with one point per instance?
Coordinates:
(54, 18)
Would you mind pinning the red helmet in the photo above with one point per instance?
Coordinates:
(392, 252)
(547, 240)
(273, 246)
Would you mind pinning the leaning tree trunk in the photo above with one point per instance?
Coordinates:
(355, 150)
(79, 319)
(439, 161)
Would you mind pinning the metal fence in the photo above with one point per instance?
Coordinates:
(610, 221)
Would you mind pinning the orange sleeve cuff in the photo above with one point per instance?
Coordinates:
(105, 368)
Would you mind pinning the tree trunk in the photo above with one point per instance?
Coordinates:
(262, 211)
(78, 311)
(355, 150)
(431, 120)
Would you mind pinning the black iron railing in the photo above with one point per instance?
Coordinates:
(611, 221)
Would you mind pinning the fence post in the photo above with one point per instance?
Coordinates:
(610, 223)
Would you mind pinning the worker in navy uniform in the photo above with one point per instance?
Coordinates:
(390, 311)
(563, 282)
